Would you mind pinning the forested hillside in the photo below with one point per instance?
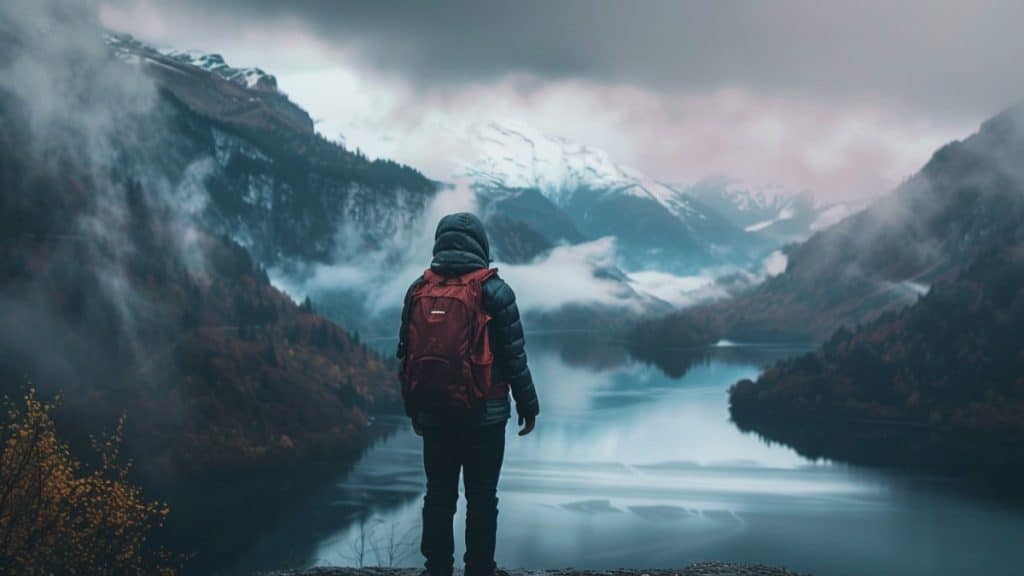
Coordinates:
(939, 384)
(119, 294)
(967, 200)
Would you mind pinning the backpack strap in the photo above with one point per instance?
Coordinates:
(480, 275)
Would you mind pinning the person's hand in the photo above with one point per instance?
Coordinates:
(527, 424)
(416, 427)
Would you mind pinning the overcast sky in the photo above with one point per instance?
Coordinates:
(844, 100)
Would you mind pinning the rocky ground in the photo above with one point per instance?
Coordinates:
(702, 569)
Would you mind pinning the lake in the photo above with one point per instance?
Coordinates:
(629, 467)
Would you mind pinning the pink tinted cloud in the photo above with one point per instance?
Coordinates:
(801, 141)
(834, 150)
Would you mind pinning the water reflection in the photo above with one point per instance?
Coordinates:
(630, 467)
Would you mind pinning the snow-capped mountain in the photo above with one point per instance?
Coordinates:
(774, 212)
(206, 84)
(127, 46)
(249, 77)
(655, 224)
(258, 171)
(306, 207)
(517, 156)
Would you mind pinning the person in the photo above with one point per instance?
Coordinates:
(472, 440)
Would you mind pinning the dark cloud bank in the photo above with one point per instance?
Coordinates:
(946, 57)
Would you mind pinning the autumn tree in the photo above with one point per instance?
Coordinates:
(59, 516)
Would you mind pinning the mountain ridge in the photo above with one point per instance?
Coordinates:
(603, 198)
(773, 211)
(968, 198)
(121, 293)
(277, 187)
(936, 385)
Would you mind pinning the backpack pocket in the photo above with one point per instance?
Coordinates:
(481, 359)
(429, 381)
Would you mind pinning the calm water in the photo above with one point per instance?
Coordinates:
(631, 468)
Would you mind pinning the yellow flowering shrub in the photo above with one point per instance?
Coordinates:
(58, 516)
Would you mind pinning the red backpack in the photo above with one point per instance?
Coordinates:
(448, 358)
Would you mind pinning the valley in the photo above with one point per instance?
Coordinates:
(730, 369)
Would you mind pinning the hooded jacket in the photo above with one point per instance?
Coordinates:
(461, 246)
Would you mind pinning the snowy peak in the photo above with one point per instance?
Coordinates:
(773, 210)
(205, 83)
(744, 197)
(758, 208)
(516, 156)
(254, 78)
(127, 47)
(655, 225)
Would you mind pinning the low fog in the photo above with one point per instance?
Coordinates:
(588, 274)
(93, 117)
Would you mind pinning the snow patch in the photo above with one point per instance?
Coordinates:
(916, 287)
(832, 215)
(253, 78)
(748, 197)
(786, 214)
(131, 50)
(226, 145)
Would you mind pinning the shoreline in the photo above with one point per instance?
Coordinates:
(699, 569)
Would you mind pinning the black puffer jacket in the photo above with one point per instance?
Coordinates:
(460, 246)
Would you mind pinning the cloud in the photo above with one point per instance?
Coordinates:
(77, 100)
(90, 126)
(568, 275)
(906, 52)
(834, 152)
(822, 108)
(679, 291)
(576, 275)
(842, 100)
(774, 264)
(382, 275)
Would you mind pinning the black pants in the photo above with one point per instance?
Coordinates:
(478, 451)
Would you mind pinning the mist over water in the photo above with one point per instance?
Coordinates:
(631, 468)
(362, 286)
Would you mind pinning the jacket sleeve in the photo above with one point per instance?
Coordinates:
(403, 336)
(509, 345)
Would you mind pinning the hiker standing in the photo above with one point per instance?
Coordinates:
(462, 349)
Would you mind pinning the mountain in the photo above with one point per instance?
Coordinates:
(124, 177)
(215, 368)
(968, 199)
(301, 204)
(936, 385)
(269, 181)
(245, 97)
(523, 223)
(252, 77)
(654, 224)
(770, 211)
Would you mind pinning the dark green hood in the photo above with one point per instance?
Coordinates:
(460, 245)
